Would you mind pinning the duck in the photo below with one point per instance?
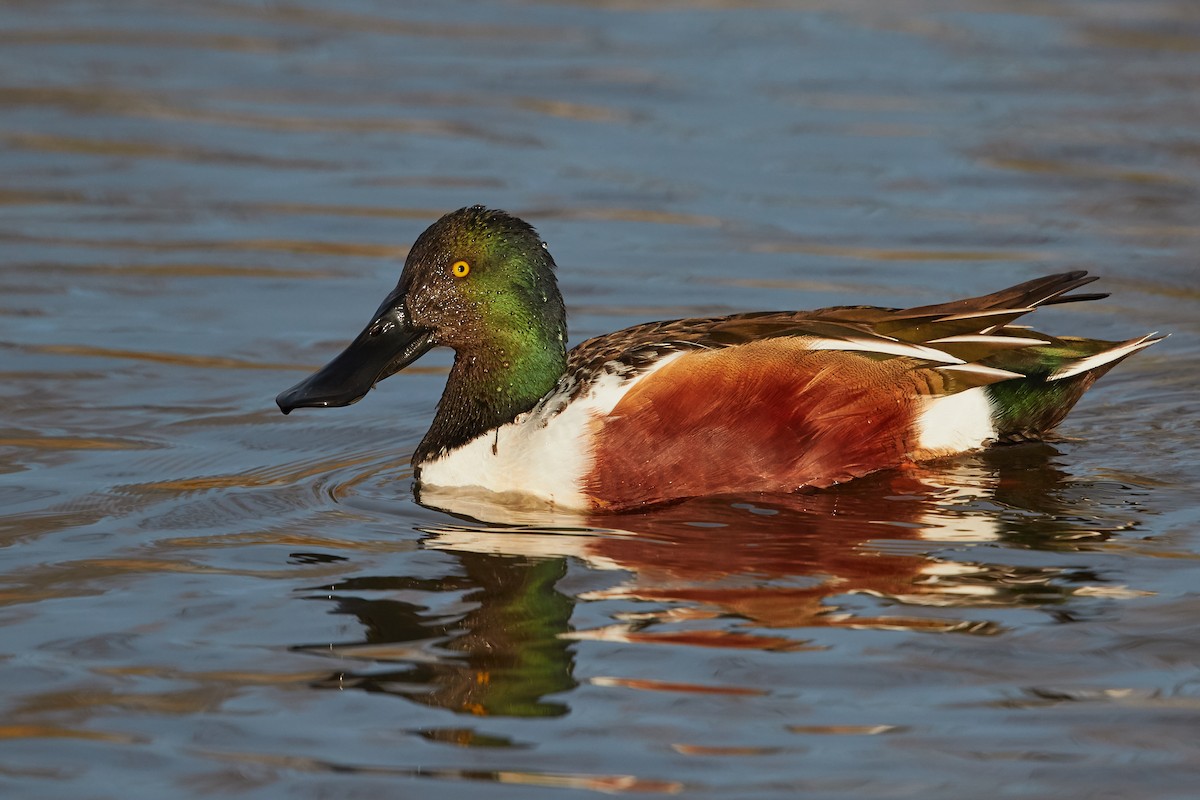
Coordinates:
(761, 402)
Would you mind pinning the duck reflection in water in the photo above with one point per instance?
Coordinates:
(495, 636)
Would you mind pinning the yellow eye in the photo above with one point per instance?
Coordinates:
(460, 269)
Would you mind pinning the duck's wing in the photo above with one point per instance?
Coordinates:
(776, 400)
(963, 336)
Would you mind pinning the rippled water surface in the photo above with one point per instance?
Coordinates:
(201, 201)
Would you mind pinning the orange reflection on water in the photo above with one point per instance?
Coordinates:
(758, 573)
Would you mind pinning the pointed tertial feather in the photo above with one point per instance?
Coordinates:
(975, 329)
(1051, 289)
(926, 327)
(987, 313)
(1107, 357)
(1075, 298)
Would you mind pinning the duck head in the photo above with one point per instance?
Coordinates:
(480, 281)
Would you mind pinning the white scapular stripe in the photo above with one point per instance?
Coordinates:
(983, 338)
(885, 346)
(1100, 359)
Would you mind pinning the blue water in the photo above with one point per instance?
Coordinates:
(199, 202)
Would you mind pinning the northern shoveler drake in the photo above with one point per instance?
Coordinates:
(768, 401)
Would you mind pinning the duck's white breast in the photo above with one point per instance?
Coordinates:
(545, 453)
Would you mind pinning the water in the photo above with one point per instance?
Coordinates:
(201, 597)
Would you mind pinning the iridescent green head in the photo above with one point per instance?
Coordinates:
(481, 278)
(481, 282)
